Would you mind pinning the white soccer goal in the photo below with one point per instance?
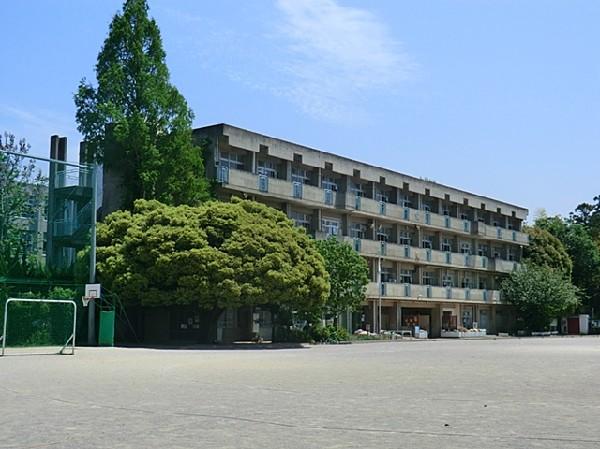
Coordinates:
(70, 341)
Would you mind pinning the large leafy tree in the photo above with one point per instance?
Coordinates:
(588, 215)
(216, 256)
(539, 295)
(348, 276)
(135, 120)
(22, 195)
(546, 250)
(584, 253)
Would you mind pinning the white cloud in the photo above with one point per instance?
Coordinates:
(336, 56)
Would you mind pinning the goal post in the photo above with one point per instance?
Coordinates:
(69, 343)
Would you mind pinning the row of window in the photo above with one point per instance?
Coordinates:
(406, 276)
(301, 176)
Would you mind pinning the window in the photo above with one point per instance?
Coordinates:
(301, 219)
(428, 278)
(427, 242)
(405, 201)
(466, 282)
(426, 207)
(300, 175)
(464, 216)
(382, 196)
(267, 168)
(447, 245)
(357, 189)
(465, 248)
(406, 276)
(497, 252)
(510, 255)
(387, 274)
(404, 238)
(231, 160)
(383, 234)
(447, 281)
(358, 230)
(329, 184)
(330, 226)
(482, 250)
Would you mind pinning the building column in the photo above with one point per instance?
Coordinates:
(253, 168)
(288, 170)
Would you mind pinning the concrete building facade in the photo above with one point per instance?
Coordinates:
(436, 254)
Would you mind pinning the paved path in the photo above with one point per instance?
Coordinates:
(506, 393)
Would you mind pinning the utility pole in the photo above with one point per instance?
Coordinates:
(92, 278)
(380, 286)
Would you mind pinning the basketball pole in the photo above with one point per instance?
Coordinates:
(92, 306)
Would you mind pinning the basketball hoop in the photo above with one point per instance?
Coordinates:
(92, 291)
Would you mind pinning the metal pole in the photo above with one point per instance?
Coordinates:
(5, 321)
(380, 286)
(92, 279)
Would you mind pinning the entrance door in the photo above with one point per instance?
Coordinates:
(467, 317)
(424, 322)
(484, 319)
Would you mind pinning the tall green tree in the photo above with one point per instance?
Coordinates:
(22, 195)
(588, 215)
(546, 250)
(584, 253)
(135, 120)
(215, 256)
(539, 294)
(348, 276)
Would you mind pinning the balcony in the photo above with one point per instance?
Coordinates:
(498, 233)
(505, 266)
(374, 248)
(392, 290)
(396, 212)
(253, 183)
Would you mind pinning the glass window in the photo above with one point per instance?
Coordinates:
(383, 234)
(404, 238)
(357, 189)
(406, 276)
(447, 245)
(358, 230)
(447, 281)
(267, 168)
(382, 196)
(427, 242)
(301, 219)
(300, 175)
(428, 278)
(465, 248)
(329, 184)
(330, 226)
(231, 160)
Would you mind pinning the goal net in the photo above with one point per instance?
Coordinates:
(39, 326)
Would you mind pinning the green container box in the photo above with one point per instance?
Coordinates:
(106, 333)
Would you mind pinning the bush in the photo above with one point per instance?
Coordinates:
(329, 334)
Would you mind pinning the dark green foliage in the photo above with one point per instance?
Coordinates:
(40, 324)
(588, 215)
(546, 250)
(348, 276)
(584, 253)
(328, 334)
(22, 197)
(539, 295)
(149, 120)
(217, 255)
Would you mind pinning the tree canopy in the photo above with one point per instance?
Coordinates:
(584, 253)
(539, 294)
(546, 250)
(216, 255)
(348, 275)
(138, 118)
(22, 195)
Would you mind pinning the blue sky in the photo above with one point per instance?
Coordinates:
(501, 98)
